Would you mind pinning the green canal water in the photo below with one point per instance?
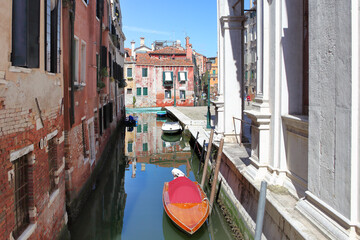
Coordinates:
(126, 200)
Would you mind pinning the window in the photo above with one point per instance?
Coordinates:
(138, 129)
(83, 124)
(25, 43)
(182, 94)
(76, 46)
(145, 128)
(129, 91)
(52, 157)
(168, 76)
(97, 67)
(182, 76)
(214, 72)
(246, 75)
(138, 91)
(167, 94)
(92, 141)
(145, 147)
(99, 5)
(145, 91)
(129, 72)
(52, 36)
(21, 196)
(130, 146)
(144, 72)
(83, 62)
(245, 36)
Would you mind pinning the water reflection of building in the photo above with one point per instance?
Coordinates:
(144, 145)
(104, 211)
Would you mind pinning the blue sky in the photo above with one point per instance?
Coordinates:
(172, 20)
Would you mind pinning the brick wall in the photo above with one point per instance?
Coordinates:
(19, 128)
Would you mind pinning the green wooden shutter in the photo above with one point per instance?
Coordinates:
(145, 147)
(138, 129)
(130, 146)
(178, 76)
(129, 72)
(163, 78)
(145, 128)
(138, 91)
(186, 76)
(172, 76)
(145, 91)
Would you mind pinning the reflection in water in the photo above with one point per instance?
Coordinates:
(127, 200)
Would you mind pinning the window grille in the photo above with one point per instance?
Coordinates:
(21, 196)
(52, 154)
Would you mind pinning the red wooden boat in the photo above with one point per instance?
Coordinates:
(185, 203)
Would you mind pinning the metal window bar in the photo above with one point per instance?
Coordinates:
(239, 141)
(21, 207)
(52, 153)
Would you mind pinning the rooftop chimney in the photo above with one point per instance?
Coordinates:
(188, 49)
(133, 49)
(142, 41)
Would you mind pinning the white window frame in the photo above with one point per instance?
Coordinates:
(168, 76)
(83, 63)
(182, 91)
(184, 75)
(76, 59)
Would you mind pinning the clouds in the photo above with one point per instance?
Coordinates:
(146, 30)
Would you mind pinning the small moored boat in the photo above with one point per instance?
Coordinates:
(161, 113)
(171, 127)
(185, 202)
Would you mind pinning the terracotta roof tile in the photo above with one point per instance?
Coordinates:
(145, 59)
(169, 50)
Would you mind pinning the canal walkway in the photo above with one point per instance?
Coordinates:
(240, 186)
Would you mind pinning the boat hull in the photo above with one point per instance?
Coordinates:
(189, 217)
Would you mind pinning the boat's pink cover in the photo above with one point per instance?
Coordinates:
(183, 190)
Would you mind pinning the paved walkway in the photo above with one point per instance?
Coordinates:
(281, 205)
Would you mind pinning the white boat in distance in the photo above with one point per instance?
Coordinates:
(171, 127)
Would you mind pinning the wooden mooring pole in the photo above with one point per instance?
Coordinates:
(208, 153)
(216, 173)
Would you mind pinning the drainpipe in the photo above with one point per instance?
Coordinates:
(242, 70)
(101, 9)
(72, 63)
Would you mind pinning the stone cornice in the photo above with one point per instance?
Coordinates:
(232, 22)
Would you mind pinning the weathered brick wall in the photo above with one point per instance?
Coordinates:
(18, 129)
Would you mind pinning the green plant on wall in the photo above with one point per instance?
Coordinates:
(103, 72)
(100, 84)
(134, 101)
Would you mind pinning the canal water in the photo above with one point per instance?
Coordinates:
(126, 201)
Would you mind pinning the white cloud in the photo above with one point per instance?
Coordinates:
(145, 30)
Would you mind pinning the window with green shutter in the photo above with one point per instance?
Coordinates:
(129, 72)
(246, 75)
(138, 91)
(144, 72)
(167, 94)
(130, 146)
(182, 94)
(182, 76)
(138, 129)
(168, 78)
(145, 128)
(145, 147)
(145, 91)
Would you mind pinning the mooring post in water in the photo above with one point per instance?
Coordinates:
(216, 173)
(202, 151)
(260, 211)
(207, 159)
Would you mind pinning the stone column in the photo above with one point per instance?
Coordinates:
(228, 104)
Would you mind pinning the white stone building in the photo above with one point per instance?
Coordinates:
(250, 51)
(305, 118)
